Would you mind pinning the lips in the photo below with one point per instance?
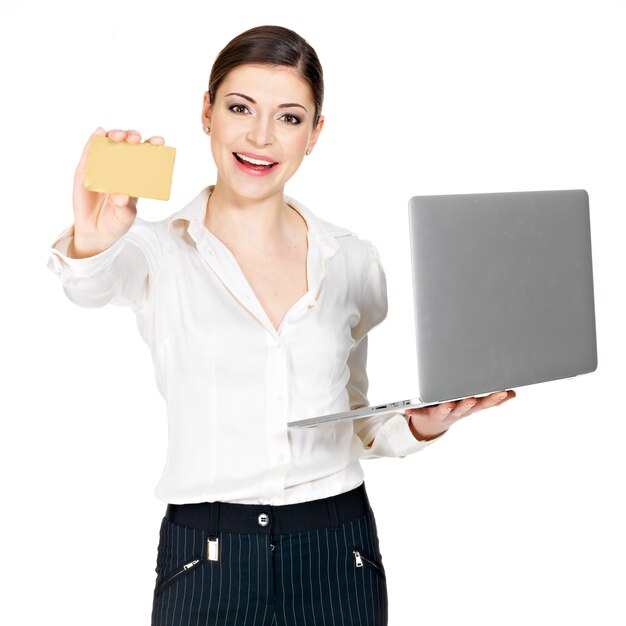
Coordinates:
(253, 159)
(254, 164)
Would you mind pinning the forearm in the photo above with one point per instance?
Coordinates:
(81, 251)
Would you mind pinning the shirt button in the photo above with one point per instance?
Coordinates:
(280, 458)
(264, 519)
(279, 399)
(276, 501)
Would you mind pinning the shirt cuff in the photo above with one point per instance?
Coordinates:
(394, 438)
(60, 263)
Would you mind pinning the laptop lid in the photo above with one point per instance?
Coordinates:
(503, 290)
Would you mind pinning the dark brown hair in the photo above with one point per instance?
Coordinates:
(275, 45)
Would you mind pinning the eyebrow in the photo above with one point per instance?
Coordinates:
(280, 106)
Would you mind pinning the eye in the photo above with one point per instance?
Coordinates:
(237, 108)
(292, 119)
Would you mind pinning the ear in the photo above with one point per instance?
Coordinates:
(316, 133)
(206, 110)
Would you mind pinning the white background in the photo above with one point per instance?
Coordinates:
(516, 515)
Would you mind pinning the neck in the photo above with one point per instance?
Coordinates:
(260, 223)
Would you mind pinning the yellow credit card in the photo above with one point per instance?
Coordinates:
(141, 170)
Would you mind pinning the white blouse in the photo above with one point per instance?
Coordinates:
(230, 380)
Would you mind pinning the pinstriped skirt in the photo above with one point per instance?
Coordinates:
(321, 577)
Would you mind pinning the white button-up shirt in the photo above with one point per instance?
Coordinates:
(230, 380)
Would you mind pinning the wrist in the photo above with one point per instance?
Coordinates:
(80, 250)
(423, 436)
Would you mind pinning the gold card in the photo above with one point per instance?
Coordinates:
(139, 170)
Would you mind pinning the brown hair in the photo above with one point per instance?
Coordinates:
(275, 45)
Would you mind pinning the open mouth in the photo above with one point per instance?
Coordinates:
(254, 164)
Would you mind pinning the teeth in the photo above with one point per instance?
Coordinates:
(255, 161)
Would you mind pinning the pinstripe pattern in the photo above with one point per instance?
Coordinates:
(308, 579)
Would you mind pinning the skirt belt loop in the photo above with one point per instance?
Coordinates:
(332, 512)
(213, 541)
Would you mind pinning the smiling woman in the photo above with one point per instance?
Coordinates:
(257, 313)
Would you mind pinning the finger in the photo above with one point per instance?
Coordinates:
(119, 199)
(510, 394)
(463, 407)
(443, 410)
(493, 399)
(133, 136)
(496, 398)
(116, 134)
(156, 140)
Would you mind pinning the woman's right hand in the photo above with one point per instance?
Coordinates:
(100, 219)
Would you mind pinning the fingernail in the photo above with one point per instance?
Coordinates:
(501, 396)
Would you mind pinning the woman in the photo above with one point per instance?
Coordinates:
(256, 311)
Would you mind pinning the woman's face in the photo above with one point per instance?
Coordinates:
(262, 112)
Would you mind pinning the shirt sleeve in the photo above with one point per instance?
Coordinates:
(386, 434)
(121, 275)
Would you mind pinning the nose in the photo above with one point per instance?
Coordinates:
(261, 131)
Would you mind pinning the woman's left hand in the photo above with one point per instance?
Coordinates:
(429, 422)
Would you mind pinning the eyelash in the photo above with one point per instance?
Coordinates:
(295, 117)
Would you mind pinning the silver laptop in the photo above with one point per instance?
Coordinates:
(503, 295)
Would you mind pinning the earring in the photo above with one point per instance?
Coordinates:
(207, 129)
(308, 152)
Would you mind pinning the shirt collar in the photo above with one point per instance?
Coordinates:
(324, 233)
